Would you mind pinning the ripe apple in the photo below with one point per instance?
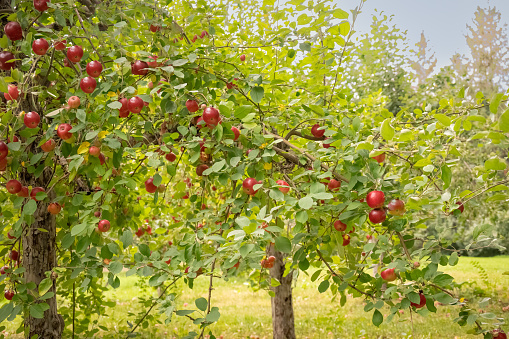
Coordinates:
(200, 169)
(94, 151)
(375, 199)
(2, 270)
(4, 150)
(41, 5)
(154, 28)
(102, 160)
(40, 46)
(7, 61)
(243, 57)
(388, 274)
(498, 334)
(24, 192)
(60, 45)
(139, 68)
(339, 226)
(94, 68)
(153, 64)
(13, 30)
(200, 122)
(103, 226)
(32, 119)
(325, 144)
(171, 157)
(236, 133)
(14, 255)
(377, 216)
(317, 133)
(140, 232)
(417, 264)
(49, 145)
(286, 187)
(334, 185)
(346, 240)
(54, 208)
(462, 207)
(63, 131)
(192, 106)
(379, 158)
(14, 139)
(34, 192)
(396, 207)
(421, 303)
(369, 237)
(13, 186)
(74, 102)
(88, 84)
(211, 116)
(9, 294)
(97, 214)
(135, 105)
(247, 186)
(123, 111)
(149, 185)
(12, 93)
(75, 53)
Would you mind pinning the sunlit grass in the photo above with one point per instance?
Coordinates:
(245, 313)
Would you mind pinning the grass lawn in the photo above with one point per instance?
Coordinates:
(247, 314)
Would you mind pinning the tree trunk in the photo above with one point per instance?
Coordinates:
(282, 307)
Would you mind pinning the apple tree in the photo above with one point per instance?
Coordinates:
(203, 139)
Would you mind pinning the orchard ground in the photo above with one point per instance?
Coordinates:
(248, 314)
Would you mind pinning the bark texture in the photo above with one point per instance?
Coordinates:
(283, 325)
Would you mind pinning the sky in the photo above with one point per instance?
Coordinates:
(443, 21)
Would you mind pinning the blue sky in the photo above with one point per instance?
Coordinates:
(443, 21)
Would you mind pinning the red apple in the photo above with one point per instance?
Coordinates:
(421, 303)
(375, 199)
(396, 207)
(40, 46)
(103, 226)
(9, 294)
(325, 144)
(94, 151)
(247, 186)
(60, 45)
(461, 208)
(211, 116)
(379, 158)
(192, 106)
(377, 216)
(149, 185)
(388, 274)
(7, 61)
(13, 186)
(339, 226)
(34, 192)
(243, 57)
(200, 169)
(13, 255)
(24, 192)
(41, 5)
(63, 131)
(54, 208)
(74, 102)
(75, 53)
(236, 133)
(139, 68)
(346, 240)
(140, 232)
(12, 93)
(334, 185)
(135, 105)
(97, 214)
(153, 64)
(94, 68)
(498, 334)
(286, 187)
(88, 84)
(317, 133)
(417, 264)
(102, 160)
(32, 119)
(4, 150)
(123, 111)
(13, 30)
(154, 28)
(171, 157)
(49, 145)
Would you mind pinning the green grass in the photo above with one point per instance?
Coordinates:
(248, 314)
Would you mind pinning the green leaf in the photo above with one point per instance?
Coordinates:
(503, 122)
(496, 102)
(344, 28)
(180, 62)
(378, 318)
(78, 229)
(446, 176)
(3, 85)
(274, 282)
(242, 111)
(214, 315)
(324, 286)
(115, 267)
(387, 130)
(30, 207)
(201, 303)
(306, 202)
(257, 94)
(283, 244)
(443, 298)
(495, 164)
(45, 285)
(184, 312)
(37, 310)
(5, 311)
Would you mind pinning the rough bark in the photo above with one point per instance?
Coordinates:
(283, 325)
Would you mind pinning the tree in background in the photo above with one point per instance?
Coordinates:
(426, 61)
